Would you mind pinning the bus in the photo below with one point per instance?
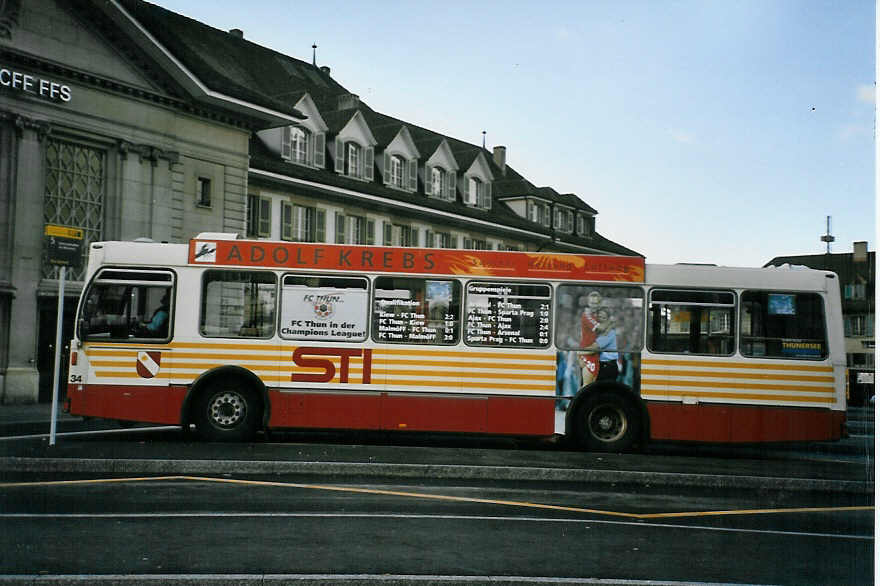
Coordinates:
(236, 336)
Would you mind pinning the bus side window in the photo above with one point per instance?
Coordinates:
(692, 322)
(238, 304)
(124, 303)
(783, 325)
(324, 307)
(514, 315)
(410, 310)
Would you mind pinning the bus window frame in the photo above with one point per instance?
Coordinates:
(566, 286)
(550, 302)
(247, 270)
(170, 285)
(367, 308)
(824, 306)
(373, 331)
(735, 323)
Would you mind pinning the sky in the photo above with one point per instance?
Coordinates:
(701, 131)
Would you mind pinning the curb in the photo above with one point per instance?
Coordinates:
(437, 472)
(327, 580)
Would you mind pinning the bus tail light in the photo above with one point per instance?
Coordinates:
(73, 357)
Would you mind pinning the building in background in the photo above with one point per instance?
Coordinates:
(857, 272)
(130, 121)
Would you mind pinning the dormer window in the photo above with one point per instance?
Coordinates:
(538, 212)
(440, 183)
(354, 150)
(564, 220)
(585, 225)
(353, 159)
(437, 177)
(301, 146)
(400, 172)
(300, 140)
(477, 193)
(397, 165)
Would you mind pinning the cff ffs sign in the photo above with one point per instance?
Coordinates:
(320, 358)
(24, 82)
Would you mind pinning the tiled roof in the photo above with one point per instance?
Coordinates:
(233, 65)
(247, 71)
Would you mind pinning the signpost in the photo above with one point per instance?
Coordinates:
(65, 250)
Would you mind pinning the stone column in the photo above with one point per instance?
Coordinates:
(21, 384)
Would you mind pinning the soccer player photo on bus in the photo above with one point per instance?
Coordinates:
(590, 325)
(599, 329)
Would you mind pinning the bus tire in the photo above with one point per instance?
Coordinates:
(227, 411)
(607, 422)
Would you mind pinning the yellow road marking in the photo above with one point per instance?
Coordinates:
(377, 491)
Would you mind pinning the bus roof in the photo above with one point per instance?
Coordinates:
(221, 250)
(787, 277)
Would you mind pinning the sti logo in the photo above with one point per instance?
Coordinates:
(306, 357)
(206, 252)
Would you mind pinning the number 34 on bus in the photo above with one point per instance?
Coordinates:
(237, 336)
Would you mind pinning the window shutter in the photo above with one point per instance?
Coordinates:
(386, 177)
(386, 233)
(353, 230)
(320, 225)
(429, 180)
(319, 150)
(285, 142)
(286, 221)
(487, 195)
(340, 228)
(368, 163)
(265, 217)
(450, 186)
(340, 154)
(413, 175)
(429, 239)
(414, 237)
(371, 232)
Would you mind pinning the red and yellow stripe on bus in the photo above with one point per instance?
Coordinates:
(739, 400)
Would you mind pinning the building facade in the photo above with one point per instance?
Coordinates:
(130, 121)
(857, 273)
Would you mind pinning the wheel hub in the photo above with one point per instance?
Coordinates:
(227, 409)
(607, 423)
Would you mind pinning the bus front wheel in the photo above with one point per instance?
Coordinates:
(227, 412)
(607, 422)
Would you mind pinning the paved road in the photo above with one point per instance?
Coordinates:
(186, 528)
(416, 509)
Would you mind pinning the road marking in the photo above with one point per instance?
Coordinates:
(424, 495)
(422, 517)
(92, 432)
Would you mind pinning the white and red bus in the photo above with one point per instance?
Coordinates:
(235, 336)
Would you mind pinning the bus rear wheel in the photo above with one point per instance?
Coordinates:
(227, 413)
(607, 422)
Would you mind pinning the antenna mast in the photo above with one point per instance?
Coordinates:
(827, 238)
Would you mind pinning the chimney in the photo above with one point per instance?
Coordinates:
(499, 153)
(236, 32)
(325, 69)
(348, 101)
(860, 251)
